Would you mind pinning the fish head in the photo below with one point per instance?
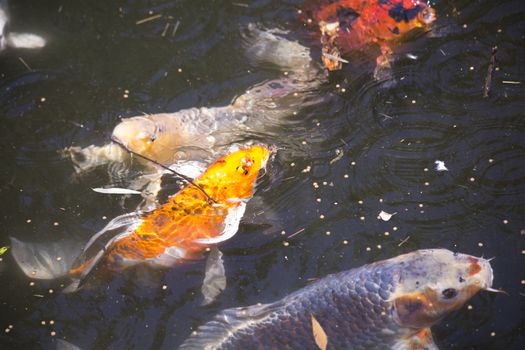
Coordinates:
(406, 15)
(432, 283)
(238, 171)
(138, 135)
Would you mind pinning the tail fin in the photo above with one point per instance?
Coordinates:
(45, 260)
(279, 97)
(272, 46)
(25, 41)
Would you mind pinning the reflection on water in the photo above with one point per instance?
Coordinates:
(389, 135)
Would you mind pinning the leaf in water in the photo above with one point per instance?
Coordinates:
(440, 165)
(319, 334)
(383, 215)
(115, 190)
(339, 155)
(4, 249)
(214, 277)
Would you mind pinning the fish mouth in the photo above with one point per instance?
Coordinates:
(427, 15)
(487, 273)
(118, 142)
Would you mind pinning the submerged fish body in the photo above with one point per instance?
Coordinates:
(16, 40)
(197, 134)
(196, 217)
(390, 304)
(188, 133)
(169, 137)
(349, 25)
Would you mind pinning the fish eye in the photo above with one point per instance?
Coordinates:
(449, 293)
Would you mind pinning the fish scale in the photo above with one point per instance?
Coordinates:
(332, 310)
(376, 306)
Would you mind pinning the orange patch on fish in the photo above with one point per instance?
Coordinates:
(412, 308)
(474, 267)
(425, 308)
(348, 25)
(189, 218)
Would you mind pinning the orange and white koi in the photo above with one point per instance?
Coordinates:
(349, 25)
(198, 216)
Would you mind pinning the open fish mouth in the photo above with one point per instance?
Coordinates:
(427, 15)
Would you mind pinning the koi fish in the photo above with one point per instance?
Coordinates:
(198, 216)
(349, 25)
(196, 133)
(389, 304)
(16, 40)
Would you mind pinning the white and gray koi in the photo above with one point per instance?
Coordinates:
(390, 304)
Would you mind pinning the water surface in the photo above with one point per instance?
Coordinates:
(389, 135)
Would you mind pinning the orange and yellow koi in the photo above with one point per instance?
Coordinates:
(180, 229)
(348, 25)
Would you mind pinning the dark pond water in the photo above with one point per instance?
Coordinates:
(389, 136)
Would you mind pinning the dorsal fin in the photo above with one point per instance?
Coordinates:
(129, 219)
(86, 262)
(100, 241)
(223, 325)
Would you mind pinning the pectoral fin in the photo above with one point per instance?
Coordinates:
(214, 277)
(420, 341)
